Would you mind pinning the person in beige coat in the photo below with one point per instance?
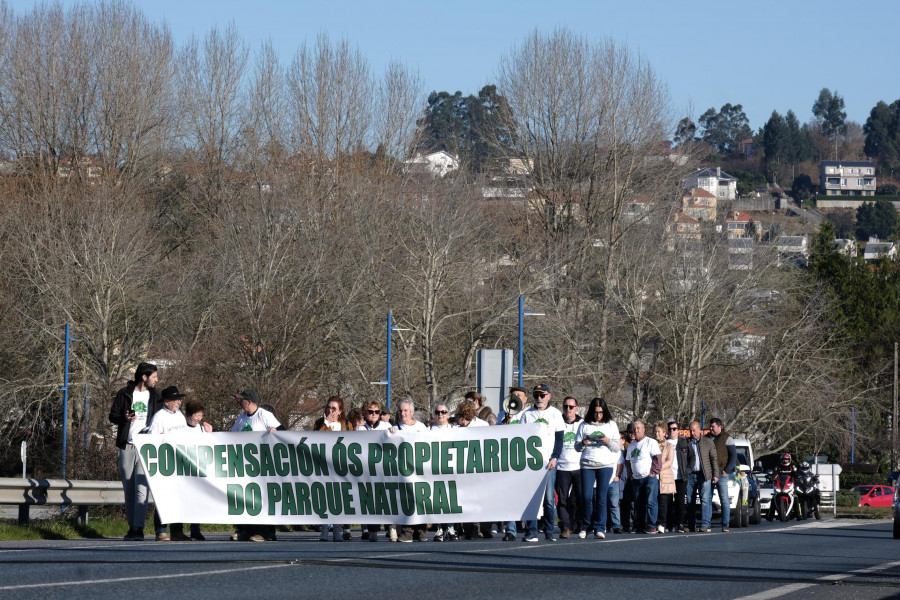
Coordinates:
(666, 476)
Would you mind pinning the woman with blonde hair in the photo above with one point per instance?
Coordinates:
(666, 476)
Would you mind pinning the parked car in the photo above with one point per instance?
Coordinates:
(766, 490)
(875, 495)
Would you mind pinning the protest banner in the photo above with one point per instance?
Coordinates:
(360, 477)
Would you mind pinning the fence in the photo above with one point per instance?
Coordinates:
(62, 492)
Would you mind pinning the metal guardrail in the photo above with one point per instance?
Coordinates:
(62, 492)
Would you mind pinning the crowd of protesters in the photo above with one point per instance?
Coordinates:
(600, 479)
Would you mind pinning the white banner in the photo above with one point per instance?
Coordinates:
(367, 477)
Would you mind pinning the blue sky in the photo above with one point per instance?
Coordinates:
(766, 55)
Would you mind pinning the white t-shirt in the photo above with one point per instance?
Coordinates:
(447, 426)
(196, 430)
(381, 426)
(416, 426)
(261, 420)
(332, 425)
(674, 444)
(569, 458)
(550, 418)
(166, 421)
(476, 422)
(598, 453)
(140, 402)
(641, 456)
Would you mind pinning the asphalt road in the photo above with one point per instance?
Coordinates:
(819, 559)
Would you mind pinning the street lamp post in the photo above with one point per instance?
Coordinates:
(522, 313)
(387, 380)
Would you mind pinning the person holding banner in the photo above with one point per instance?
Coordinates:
(334, 419)
(134, 406)
(598, 441)
(446, 531)
(406, 421)
(553, 428)
(372, 422)
(168, 420)
(254, 418)
(193, 415)
(465, 417)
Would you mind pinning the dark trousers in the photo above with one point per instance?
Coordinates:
(665, 501)
(568, 492)
(675, 515)
(625, 506)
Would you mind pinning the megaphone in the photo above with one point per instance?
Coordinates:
(512, 405)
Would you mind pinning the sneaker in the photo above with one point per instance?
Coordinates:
(163, 537)
(617, 530)
(452, 537)
(509, 537)
(392, 533)
(197, 536)
(660, 529)
(651, 530)
(131, 535)
(599, 535)
(725, 529)
(705, 530)
(421, 536)
(550, 537)
(680, 529)
(405, 538)
(582, 534)
(256, 538)
(179, 536)
(531, 540)
(438, 536)
(564, 534)
(346, 535)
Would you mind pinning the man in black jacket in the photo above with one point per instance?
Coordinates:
(684, 457)
(134, 406)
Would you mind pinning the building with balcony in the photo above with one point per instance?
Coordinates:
(847, 178)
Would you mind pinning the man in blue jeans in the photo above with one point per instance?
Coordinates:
(726, 453)
(702, 475)
(645, 458)
(553, 427)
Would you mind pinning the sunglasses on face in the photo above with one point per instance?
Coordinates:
(571, 406)
(441, 412)
(374, 412)
(673, 429)
(539, 395)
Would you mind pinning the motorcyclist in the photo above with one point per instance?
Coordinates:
(807, 504)
(785, 467)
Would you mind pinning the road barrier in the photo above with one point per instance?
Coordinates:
(61, 492)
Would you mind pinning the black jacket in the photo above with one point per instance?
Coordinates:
(684, 454)
(122, 404)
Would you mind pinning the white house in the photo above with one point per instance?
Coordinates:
(715, 181)
(436, 163)
(876, 249)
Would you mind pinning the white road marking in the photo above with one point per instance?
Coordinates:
(793, 587)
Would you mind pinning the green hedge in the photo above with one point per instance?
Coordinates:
(849, 480)
(891, 198)
(847, 498)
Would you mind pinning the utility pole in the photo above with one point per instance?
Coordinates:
(894, 454)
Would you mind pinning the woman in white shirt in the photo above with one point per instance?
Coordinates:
(598, 441)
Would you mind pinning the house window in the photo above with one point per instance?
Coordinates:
(844, 181)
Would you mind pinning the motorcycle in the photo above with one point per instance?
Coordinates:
(783, 500)
(806, 490)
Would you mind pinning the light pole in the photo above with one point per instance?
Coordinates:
(387, 380)
(522, 313)
(65, 391)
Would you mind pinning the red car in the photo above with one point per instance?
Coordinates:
(875, 495)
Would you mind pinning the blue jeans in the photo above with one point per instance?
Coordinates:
(646, 490)
(612, 505)
(722, 489)
(697, 483)
(595, 500)
(549, 502)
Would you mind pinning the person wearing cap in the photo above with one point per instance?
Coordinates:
(505, 418)
(254, 418)
(134, 406)
(627, 502)
(553, 426)
(168, 420)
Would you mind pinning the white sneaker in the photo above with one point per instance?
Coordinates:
(660, 529)
(392, 533)
(582, 534)
(599, 535)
